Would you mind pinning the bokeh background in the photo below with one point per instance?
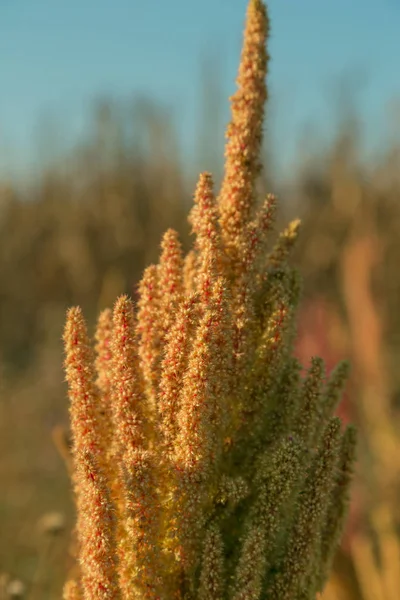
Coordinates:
(108, 112)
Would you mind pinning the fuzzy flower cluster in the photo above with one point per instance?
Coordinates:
(205, 465)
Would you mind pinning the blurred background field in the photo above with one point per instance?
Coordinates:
(81, 229)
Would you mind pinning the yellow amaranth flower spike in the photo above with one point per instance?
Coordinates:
(95, 524)
(205, 466)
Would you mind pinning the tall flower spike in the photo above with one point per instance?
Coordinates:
(129, 400)
(103, 350)
(172, 370)
(281, 416)
(170, 279)
(149, 330)
(212, 577)
(263, 366)
(244, 133)
(177, 347)
(303, 542)
(223, 388)
(196, 444)
(339, 505)
(204, 220)
(139, 556)
(334, 388)
(96, 532)
(80, 378)
(95, 524)
(246, 272)
(256, 236)
(285, 243)
(104, 383)
(277, 474)
(308, 418)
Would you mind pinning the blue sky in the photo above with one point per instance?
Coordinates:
(56, 56)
